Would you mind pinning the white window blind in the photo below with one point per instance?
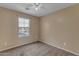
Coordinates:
(23, 25)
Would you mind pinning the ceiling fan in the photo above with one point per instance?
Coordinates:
(35, 6)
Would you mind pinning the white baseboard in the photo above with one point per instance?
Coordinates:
(17, 45)
(61, 48)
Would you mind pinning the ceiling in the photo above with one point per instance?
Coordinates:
(46, 8)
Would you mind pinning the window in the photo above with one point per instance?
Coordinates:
(23, 25)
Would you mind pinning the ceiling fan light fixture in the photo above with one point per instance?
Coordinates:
(36, 9)
(36, 6)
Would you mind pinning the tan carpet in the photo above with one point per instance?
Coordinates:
(36, 49)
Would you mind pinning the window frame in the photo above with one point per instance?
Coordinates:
(26, 31)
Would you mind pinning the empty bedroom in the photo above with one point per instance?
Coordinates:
(39, 29)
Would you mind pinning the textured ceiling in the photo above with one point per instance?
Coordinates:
(46, 8)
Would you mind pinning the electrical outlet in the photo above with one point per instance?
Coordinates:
(64, 43)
